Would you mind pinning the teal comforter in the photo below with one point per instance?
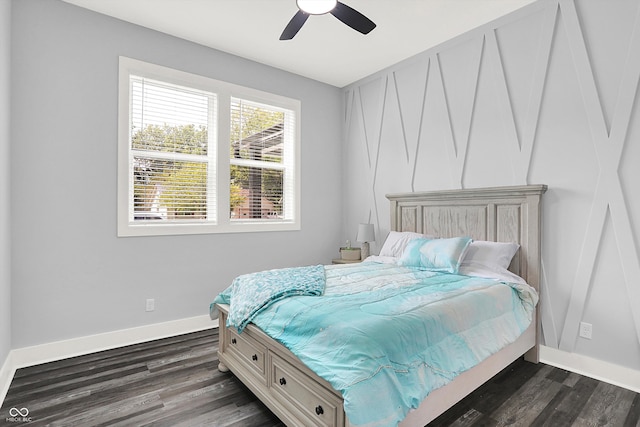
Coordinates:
(385, 336)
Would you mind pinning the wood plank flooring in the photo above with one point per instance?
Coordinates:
(175, 382)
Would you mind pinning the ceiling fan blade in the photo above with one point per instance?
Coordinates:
(294, 25)
(353, 18)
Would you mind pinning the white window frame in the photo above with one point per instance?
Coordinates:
(219, 220)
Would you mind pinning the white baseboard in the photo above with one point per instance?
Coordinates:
(603, 371)
(43, 353)
(6, 375)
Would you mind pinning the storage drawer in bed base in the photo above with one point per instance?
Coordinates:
(292, 391)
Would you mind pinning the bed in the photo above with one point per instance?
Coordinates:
(299, 396)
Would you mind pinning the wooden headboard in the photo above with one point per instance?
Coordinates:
(500, 214)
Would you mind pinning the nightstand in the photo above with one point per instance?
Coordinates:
(345, 261)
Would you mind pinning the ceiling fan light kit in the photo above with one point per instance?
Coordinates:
(316, 7)
(344, 13)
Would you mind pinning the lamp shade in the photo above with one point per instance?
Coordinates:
(366, 233)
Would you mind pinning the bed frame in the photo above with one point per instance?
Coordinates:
(300, 398)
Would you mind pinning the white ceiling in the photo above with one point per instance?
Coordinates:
(325, 49)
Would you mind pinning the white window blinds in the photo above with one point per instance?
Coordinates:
(261, 162)
(171, 152)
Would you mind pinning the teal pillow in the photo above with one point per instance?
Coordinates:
(411, 255)
(442, 255)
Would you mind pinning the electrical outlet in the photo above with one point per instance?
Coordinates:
(151, 304)
(586, 330)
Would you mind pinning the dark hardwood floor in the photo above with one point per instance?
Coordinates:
(175, 382)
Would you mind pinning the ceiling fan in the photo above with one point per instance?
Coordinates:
(344, 13)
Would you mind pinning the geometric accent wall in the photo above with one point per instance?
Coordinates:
(546, 95)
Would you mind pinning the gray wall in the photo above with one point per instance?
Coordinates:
(5, 241)
(547, 95)
(72, 276)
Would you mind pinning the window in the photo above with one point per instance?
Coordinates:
(197, 155)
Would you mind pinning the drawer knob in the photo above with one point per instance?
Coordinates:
(234, 341)
(283, 381)
(254, 357)
(319, 410)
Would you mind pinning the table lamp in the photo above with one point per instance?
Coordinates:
(365, 235)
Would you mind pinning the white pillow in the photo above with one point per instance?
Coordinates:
(490, 254)
(495, 272)
(382, 259)
(396, 242)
